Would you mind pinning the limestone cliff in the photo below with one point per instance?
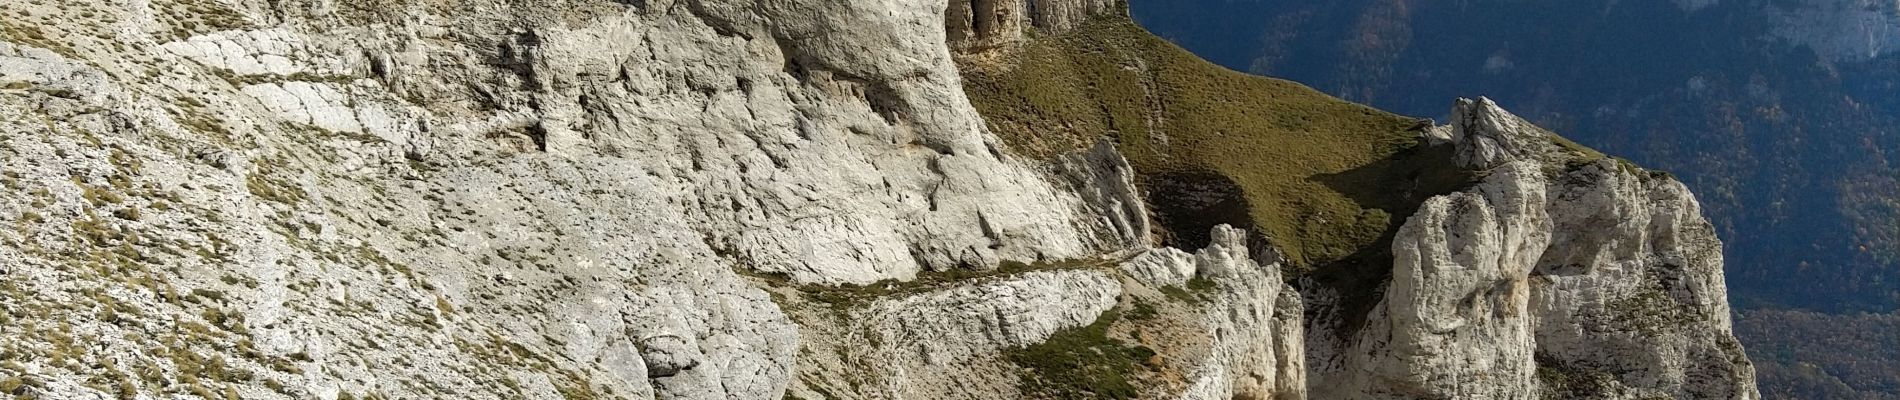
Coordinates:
(1555, 276)
(974, 25)
(700, 199)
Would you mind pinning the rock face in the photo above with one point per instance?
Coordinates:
(1258, 346)
(977, 24)
(1636, 291)
(1455, 320)
(661, 199)
(1598, 281)
(1857, 30)
(521, 201)
(1484, 136)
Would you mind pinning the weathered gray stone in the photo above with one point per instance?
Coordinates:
(667, 355)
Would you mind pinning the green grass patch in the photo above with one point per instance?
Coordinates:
(1327, 180)
(1081, 363)
(1198, 290)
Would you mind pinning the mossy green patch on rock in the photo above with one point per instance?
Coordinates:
(1325, 179)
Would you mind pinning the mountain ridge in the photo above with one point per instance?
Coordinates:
(759, 200)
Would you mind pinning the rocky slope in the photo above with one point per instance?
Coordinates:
(736, 199)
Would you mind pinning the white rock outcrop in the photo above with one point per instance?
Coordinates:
(1602, 281)
(1258, 348)
(1484, 136)
(1455, 320)
(1636, 291)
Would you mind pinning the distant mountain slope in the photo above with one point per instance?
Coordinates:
(1807, 355)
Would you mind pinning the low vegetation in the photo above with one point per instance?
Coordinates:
(1082, 363)
(1325, 179)
(849, 296)
(1327, 182)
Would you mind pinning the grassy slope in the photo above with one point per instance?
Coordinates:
(1325, 179)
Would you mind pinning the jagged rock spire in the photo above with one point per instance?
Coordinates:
(1487, 136)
